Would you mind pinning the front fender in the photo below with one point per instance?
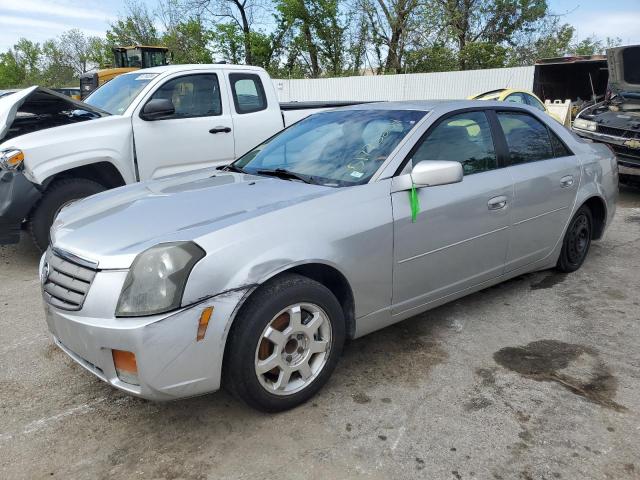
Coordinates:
(55, 150)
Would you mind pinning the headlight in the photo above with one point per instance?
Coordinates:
(155, 283)
(585, 124)
(11, 158)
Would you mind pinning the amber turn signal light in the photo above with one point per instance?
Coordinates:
(205, 316)
(126, 366)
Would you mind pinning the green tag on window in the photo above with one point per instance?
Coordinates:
(414, 202)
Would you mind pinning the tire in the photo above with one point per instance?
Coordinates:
(576, 242)
(56, 196)
(316, 341)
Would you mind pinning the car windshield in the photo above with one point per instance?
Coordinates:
(116, 95)
(337, 148)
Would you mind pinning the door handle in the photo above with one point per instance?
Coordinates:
(496, 203)
(566, 181)
(220, 130)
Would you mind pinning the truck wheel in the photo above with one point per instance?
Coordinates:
(576, 242)
(59, 194)
(284, 344)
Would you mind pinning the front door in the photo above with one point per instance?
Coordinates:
(198, 135)
(459, 237)
(546, 175)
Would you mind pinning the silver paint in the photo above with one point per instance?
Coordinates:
(468, 235)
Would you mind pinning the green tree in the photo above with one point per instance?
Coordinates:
(56, 71)
(487, 23)
(391, 24)
(241, 13)
(189, 42)
(12, 74)
(136, 27)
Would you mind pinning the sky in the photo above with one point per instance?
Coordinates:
(39, 20)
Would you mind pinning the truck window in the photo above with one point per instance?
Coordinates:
(248, 93)
(192, 95)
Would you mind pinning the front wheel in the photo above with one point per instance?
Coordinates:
(284, 344)
(576, 242)
(59, 194)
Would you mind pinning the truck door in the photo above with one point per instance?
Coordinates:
(197, 135)
(256, 109)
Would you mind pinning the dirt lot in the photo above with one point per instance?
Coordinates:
(538, 378)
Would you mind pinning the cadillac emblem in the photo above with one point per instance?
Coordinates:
(632, 143)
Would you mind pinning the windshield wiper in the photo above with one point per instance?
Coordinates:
(286, 175)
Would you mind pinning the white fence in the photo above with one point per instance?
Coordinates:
(415, 86)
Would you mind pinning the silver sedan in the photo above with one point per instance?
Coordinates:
(253, 276)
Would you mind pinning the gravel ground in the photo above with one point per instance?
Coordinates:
(537, 378)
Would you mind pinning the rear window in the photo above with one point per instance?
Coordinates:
(248, 93)
(631, 64)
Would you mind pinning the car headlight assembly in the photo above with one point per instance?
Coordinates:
(155, 283)
(11, 158)
(583, 124)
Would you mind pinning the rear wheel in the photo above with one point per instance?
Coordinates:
(59, 194)
(285, 344)
(577, 241)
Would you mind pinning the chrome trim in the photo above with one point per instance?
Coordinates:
(538, 216)
(452, 245)
(65, 284)
(73, 258)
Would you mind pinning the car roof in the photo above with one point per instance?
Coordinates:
(428, 105)
(194, 66)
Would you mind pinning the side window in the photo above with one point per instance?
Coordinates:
(516, 98)
(465, 138)
(248, 93)
(559, 148)
(192, 95)
(527, 137)
(535, 103)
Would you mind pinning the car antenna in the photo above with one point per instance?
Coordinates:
(593, 90)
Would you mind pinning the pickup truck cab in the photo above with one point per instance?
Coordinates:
(140, 125)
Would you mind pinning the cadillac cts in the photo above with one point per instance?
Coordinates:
(253, 275)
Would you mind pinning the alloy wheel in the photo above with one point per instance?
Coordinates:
(293, 348)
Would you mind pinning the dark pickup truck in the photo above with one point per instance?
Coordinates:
(616, 120)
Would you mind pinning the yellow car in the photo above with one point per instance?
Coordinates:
(514, 96)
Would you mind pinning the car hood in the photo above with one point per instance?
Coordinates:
(614, 119)
(624, 68)
(40, 103)
(111, 228)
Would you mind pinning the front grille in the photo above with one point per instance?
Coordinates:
(66, 283)
(626, 151)
(618, 132)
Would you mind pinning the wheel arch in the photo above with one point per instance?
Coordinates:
(598, 209)
(103, 172)
(323, 273)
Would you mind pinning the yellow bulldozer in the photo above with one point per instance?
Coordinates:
(126, 59)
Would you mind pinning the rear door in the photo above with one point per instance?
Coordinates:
(459, 238)
(198, 135)
(545, 175)
(257, 113)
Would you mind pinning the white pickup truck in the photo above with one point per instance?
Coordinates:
(141, 125)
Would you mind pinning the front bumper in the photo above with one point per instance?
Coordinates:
(171, 363)
(17, 197)
(628, 157)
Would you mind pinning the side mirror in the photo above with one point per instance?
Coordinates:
(157, 109)
(430, 173)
